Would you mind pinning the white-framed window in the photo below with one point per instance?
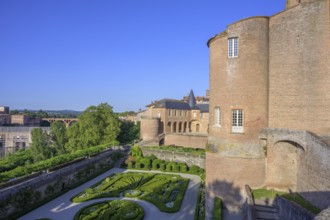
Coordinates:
(194, 114)
(217, 116)
(158, 115)
(237, 121)
(232, 47)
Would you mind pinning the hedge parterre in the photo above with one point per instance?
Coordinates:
(166, 191)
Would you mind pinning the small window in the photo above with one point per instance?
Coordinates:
(233, 47)
(237, 121)
(169, 112)
(195, 115)
(217, 116)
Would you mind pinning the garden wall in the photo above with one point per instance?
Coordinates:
(187, 158)
(291, 211)
(21, 196)
(186, 140)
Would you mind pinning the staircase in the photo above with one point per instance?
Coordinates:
(265, 210)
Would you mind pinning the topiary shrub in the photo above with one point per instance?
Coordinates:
(162, 167)
(194, 169)
(217, 209)
(183, 168)
(146, 163)
(176, 168)
(138, 166)
(129, 165)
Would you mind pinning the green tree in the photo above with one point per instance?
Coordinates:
(136, 153)
(40, 147)
(58, 137)
(128, 132)
(97, 125)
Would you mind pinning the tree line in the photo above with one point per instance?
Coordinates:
(97, 125)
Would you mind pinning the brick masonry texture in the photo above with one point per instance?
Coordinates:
(281, 81)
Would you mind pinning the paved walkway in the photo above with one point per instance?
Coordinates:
(62, 208)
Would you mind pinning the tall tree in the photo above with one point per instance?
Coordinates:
(40, 147)
(96, 125)
(58, 137)
(128, 132)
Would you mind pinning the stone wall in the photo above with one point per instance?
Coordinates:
(189, 159)
(187, 140)
(226, 178)
(290, 211)
(51, 183)
(299, 161)
(299, 68)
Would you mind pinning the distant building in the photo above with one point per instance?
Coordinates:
(175, 122)
(15, 138)
(4, 110)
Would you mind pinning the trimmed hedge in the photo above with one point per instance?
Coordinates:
(217, 209)
(52, 162)
(115, 209)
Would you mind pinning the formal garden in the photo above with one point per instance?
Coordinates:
(115, 209)
(165, 191)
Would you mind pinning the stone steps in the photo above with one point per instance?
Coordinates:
(266, 212)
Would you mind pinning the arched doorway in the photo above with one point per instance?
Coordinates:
(169, 127)
(180, 127)
(174, 127)
(195, 126)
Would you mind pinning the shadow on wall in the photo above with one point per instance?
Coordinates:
(232, 199)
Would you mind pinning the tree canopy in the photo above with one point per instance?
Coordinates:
(96, 125)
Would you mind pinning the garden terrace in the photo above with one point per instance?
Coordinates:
(177, 149)
(165, 191)
(115, 209)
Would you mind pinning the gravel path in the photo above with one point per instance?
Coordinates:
(62, 208)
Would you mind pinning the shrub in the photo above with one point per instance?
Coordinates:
(194, 169)
(176, 168)
(217, 209)
(130, 165)
(145, 162)
(162, 167)
(138, 165)
(183, 167)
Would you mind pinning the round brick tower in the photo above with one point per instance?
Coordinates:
(149, 128)
(238, 88)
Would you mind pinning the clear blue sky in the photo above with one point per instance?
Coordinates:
(69, 54)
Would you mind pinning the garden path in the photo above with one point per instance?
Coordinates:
(62, 208)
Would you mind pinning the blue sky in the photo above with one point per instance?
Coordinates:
(70, 54)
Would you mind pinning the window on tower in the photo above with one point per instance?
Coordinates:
(233, 47)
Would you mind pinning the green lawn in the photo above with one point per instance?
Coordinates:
(294, 197)
(266, 193)
(163, 190)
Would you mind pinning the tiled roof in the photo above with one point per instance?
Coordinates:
(203, 107)
(172, 104)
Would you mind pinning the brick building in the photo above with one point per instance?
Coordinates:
(175, 122)
(269, 103)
